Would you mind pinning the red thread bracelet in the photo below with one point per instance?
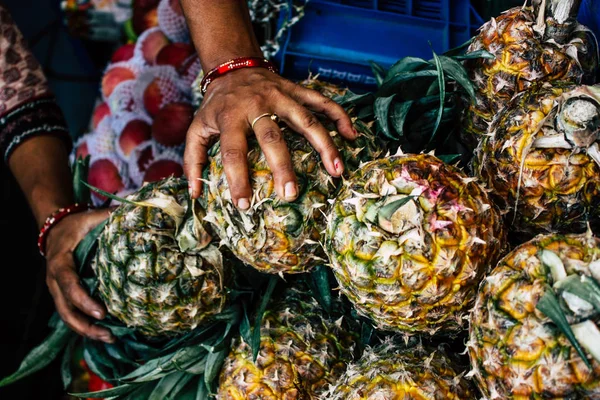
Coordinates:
(232, 65)
(55, 218)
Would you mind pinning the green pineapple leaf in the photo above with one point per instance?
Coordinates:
(406, 64)
(202, 393)
(457, 72)
(110, 195)
(382, 111)
(177, 392)
(449, 158)
(548, 304)
(583, 287)
(378, 71)
(81, 193)
(98, 361)
(399, 114)
(458, 49)
(214, 362)
(353, 99)
(319, 282)
(255, 342)
(366, 333)
(475, 54)
(142, 392)
(42, 355)
(167, 384)
(394, 84)
(107, 393)
(65, 365)
(442, 88)
(245, 331)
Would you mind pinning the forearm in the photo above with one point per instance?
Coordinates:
(40, 166)
(221, 30)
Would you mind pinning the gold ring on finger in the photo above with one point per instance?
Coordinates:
(274, 117)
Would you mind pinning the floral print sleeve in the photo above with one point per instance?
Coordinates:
(27, 107)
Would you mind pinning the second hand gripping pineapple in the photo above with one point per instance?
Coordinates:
(409, 239)
(389, 371)
(275, 236)
(301, 353)
(542, 159)
(539, 303)
(156, 266)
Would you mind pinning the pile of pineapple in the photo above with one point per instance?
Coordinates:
(425, 256)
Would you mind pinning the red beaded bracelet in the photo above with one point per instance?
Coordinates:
(55, 218)
(232, 65)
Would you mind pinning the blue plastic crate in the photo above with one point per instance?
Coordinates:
(338, 38)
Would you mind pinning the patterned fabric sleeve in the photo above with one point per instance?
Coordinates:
(27, 107)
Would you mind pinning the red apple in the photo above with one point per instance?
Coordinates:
(134, 133)
(113, 77)
(162, 169)
(104, 174)
(171, 123)
(175, 54)
(82, 150)
(123, 53)
(152, 44)
(101, 111)
(143, 19)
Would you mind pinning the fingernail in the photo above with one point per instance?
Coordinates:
(289, 191)
(108, 339)
(243, 204)
(97, 314)
(337, 164)
(355, 131)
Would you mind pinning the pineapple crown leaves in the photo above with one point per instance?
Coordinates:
(417, 98)
(571, 298)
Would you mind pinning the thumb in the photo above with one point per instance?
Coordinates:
(94, 217)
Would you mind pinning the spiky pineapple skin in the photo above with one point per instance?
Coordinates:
(301, 354)
(516, 352)
(423, 278)
(389, 371)
(522, 58)
(541, 190)
(276, 236)
(143, 277)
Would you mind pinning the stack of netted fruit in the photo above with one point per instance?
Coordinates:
(415, 244)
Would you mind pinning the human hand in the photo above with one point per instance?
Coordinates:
(230, 105)
(72, 301)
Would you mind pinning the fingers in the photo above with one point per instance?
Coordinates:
(75, 320)
(75, 294)
(195, 157)
(278, 157)
(234, 153)
(324, 105)
(305, 122)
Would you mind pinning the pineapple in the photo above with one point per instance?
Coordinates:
(530, 44)
(156, 267)
(541, 159)
(518, 346)
(275, 236)
(409, 238)
(389, 371)
(301, 354)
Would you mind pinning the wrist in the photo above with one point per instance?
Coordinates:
(54, 219)
(236, 64)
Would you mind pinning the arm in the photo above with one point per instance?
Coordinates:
(35, 145)
(221, 31)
